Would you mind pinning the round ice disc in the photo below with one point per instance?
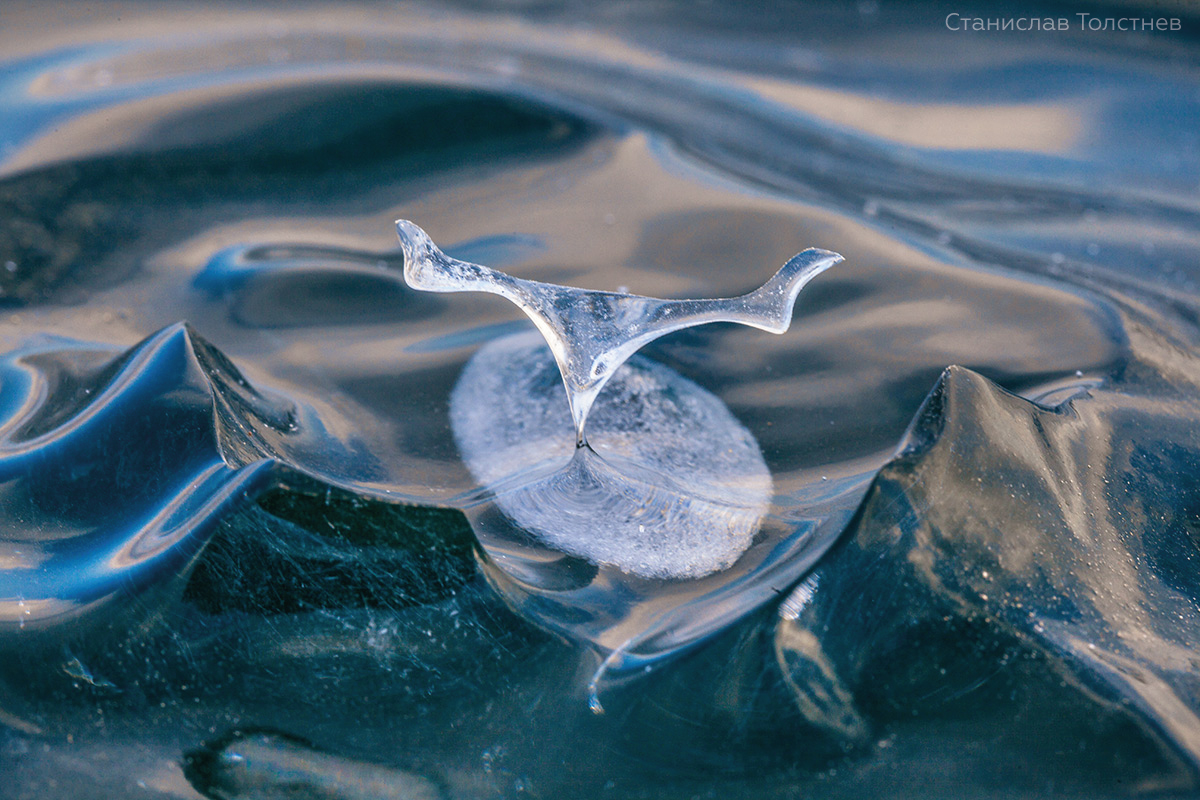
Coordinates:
(676, 487)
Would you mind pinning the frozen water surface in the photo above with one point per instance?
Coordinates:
(250, 545)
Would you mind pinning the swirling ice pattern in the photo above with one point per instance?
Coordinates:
(1010, 608)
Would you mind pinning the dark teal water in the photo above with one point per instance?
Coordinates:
(238, 545)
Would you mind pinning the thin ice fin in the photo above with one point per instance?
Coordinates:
(592, 333)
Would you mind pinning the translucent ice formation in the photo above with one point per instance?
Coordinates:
(675, 488)
(591, 333)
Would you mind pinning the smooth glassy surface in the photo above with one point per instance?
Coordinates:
(247, 548)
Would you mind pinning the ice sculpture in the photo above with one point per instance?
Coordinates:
(675, 487)
(591, 333)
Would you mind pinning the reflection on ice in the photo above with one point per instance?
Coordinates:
(265, 764)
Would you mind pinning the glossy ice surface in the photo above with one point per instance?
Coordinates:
(238, 513)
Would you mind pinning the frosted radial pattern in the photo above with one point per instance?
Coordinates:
(675, 487)
(592, 333)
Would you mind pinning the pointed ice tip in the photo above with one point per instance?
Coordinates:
(830, 259)
(421, 259)
(816, 259)
(410, 235)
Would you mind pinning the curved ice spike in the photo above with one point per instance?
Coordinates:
(591, 333)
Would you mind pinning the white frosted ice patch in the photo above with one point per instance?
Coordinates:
(676, 486)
